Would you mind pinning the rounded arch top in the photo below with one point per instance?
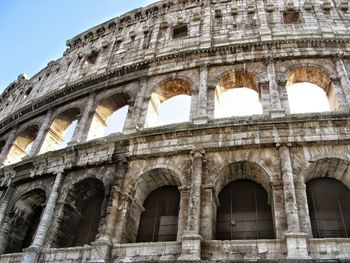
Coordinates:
(241, 170)
(238, 78)
(173, 87)
(312, 74)
(329, 167)
(153, 179)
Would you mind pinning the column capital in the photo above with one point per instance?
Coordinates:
(197, 152)
(269, 59)
(280, 145)
(337, 56)
(203, 66)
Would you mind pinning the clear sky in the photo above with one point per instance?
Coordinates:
(34, 32)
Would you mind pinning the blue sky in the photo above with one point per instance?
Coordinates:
(32, 33)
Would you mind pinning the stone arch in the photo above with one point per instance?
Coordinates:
(80, 218)
(140, 188)
(329, 208)
(21, 146)
(163, 91)
(104, 108)
(151, 180)
(316, 75)
(252, 175)
(239, 81)
(216, 76)
(241, 170)
(328, 167)
(22, 219)
(59, 125)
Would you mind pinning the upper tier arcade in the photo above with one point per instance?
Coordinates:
(167, 36)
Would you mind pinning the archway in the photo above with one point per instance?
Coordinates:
(329, 213)
(155, 180)
(244, 212)
(23, 219)
(159, 220)
(237, 94)
(61, 130)
(252, 211)
(109, 116)
(22, 145)
(310, 90)
(177, 90)
(81, 214)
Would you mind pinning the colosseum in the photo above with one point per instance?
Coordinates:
(248, 187)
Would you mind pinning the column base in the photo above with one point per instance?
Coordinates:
(30, 254)
(200, 120)
(297, 245)
(191, 247)
(101, 250)
(277, 113)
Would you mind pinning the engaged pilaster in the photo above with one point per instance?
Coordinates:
(85, 121)
(191, 240)
(138, 118)
(41, 134)
(102, 247)
(296, 241)
(343, 76)
(7, 146)
(201, 111)
(275, 101)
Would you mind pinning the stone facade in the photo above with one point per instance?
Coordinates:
(139, 60)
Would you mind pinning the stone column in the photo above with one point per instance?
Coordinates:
(31, 254)
(303, 207)
(139, 113)
(336, 97)
(6, 149)
(125, 203)
(210, 203)
(343, 76)
(102, 247)
(211, 102)
(201, 115)
(39, 140)
(85, 121)
(278, 209)
(275, 101)
(191, 240)
(5, 201)
(296, 241)
(282, 88)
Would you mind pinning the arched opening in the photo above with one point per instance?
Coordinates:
(23, 220)
(330, 212)
(109, 116)
(61, 130)
(81, 214)
(159, 220)
(22, 145)
(237, 94)
(178, 92)
(310, 90)
(244, 212)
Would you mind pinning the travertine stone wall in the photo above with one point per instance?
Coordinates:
(137, 60)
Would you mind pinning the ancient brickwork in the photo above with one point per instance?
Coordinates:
(85, 202)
